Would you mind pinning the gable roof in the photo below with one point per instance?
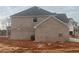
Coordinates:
(36, 11)
(33, 11)
(42, 22)
(47, 19)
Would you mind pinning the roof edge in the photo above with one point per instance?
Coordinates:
(47, 19)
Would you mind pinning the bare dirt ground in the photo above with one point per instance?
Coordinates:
(24, 46)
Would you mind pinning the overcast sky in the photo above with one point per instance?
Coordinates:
(71, 11)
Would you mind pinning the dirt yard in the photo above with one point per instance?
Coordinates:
(23, 46)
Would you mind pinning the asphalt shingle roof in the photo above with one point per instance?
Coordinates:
(35, 11)
(62, 17)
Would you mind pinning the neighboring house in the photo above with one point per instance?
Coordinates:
(5, 32)
(78, 29)
(2, 32)
(73, 27)
(39, 25)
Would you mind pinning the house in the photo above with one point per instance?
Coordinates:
(73, 27)
(39, 25)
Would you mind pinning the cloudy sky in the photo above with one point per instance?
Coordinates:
(71, 11)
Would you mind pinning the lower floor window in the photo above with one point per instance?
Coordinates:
(70, 32)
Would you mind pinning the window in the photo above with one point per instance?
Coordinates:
(70, 32)
(35, 19)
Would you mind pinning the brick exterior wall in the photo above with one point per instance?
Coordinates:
(50, 30)
(22, 27)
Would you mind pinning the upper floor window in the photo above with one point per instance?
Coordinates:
(35, 19)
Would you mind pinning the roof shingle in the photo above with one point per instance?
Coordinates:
(35, 11)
